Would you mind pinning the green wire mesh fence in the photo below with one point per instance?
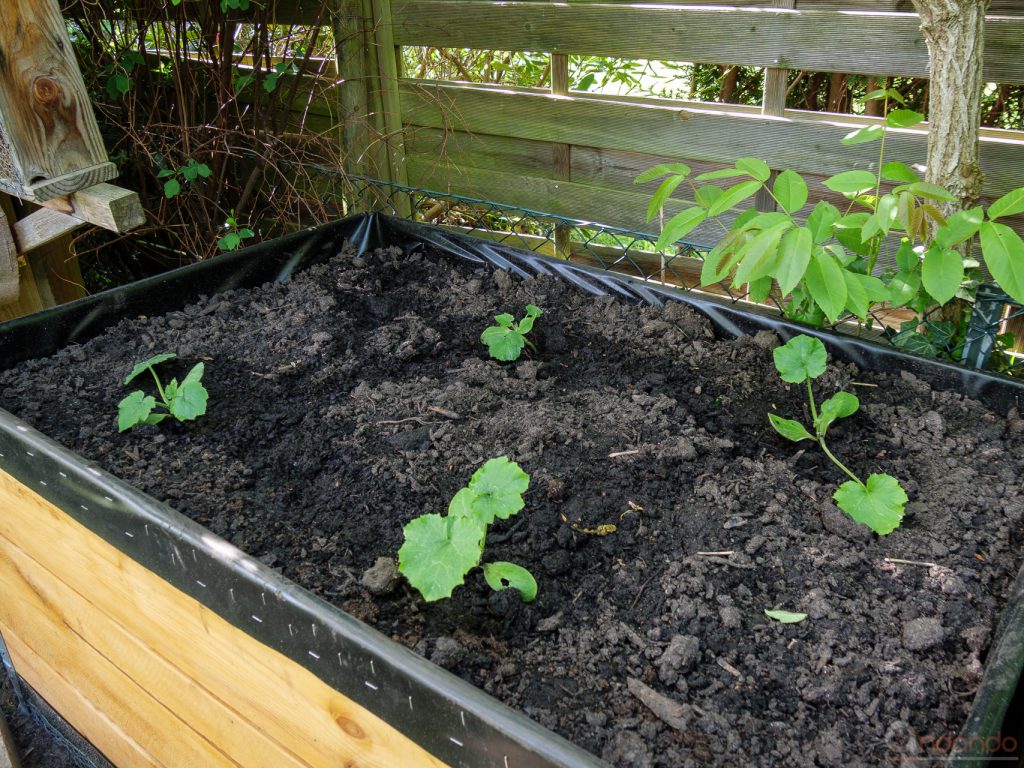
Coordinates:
(970, 333)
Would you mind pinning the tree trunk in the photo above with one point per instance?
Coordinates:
(838, 94)
(728, 87)
(955, 33)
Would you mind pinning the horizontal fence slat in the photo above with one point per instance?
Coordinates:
(827, 41)
(807, 146)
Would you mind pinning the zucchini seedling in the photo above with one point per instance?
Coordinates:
(439, 550)
(879, 502)
(506, 340)
(183, 401)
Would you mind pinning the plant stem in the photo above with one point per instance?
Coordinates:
(814, 411)
(837, 462)
(529, 344)
(159, 388)
(878, 182)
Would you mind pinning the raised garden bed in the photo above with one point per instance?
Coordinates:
(356, 395)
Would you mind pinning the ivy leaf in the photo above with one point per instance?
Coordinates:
(821, 220)
(802, 357)
(791, 191)
(189, 401)
(942, 272)
(794, 256)
(785, 617)
(825, 282)
(732, 196)
(134, 409)
(863, 135)
(153, 361)
(903, 118)
(1009, 204)
(755, 167)
(501, 575)
(877, 504)
(851, 182)
(789, 429)
(1004, 256)
(679, 226)
(839, 406)
(498, 486)
(914, 342)
(438, 553)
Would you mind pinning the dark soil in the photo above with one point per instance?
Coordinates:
(37, 745)
(357, 396)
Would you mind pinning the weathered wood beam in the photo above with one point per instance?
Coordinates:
(104, 205)
(8, 262)
(51, 141)
(823, 41)
(42, 227)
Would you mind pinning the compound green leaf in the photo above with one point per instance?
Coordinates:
(857, 302)
(789, 429)
(801, 358)
(826, 284)
(942, 272)
(794, 256)
(904, 287)
(863, 135)
(1003, 251)
(821, 220)
(498, 486)
(721, 173)
(851, 182)
(733, 196)
(877, 504)
(755, 167)
(502, 575)
(679, 226)
(662, 169)
(896, 171)
(668, 186)
(761, 254)
(1009, 204)
(903, 118)
(791, 191)
(961, 226)
(438, 553)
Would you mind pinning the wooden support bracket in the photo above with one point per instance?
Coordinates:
(8, 263)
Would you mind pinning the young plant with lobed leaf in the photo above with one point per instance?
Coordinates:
(439, 550)
(879, 502)
(505, 341)
(185, 401)
(827, 264)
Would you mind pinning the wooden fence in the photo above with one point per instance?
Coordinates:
(576, 154)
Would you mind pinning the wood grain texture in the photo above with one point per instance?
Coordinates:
(871, 43)
(693, 131)
(44, 106)
(103, 205)
(8, 262)
(151, 676)
(42, 227)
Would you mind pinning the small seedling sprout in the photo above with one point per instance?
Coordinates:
(506, 340)
(439, 550)
(877, 503)
(184, 401)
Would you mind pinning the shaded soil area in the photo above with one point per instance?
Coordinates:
(357, 395)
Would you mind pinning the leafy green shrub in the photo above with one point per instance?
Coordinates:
(826, 265)
(878, 503)
(505, 341)
(185, 401)
(439, 550)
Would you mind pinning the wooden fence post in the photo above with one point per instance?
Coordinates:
(562, 152)
(773, 103)
(388, 69)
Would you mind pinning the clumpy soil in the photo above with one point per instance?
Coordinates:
(357, 395)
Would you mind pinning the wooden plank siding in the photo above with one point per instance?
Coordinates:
(823, 41)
